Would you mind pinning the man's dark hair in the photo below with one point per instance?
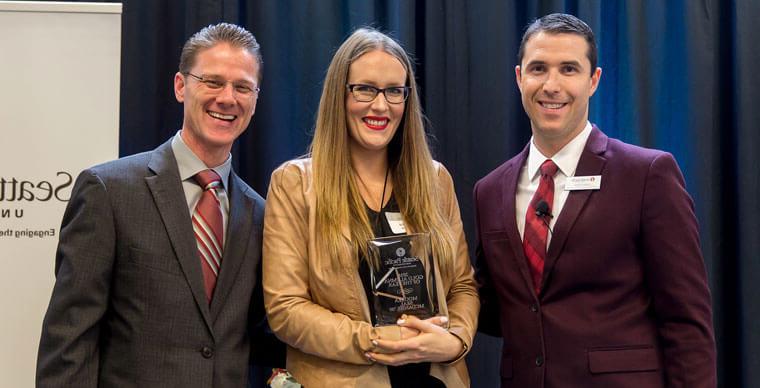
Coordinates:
(560, 23)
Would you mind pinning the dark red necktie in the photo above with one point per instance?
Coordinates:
(537, 226)
(208, 228)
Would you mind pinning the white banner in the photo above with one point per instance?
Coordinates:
(59, 113)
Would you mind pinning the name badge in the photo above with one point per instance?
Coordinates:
(591, 182)
(396, 222)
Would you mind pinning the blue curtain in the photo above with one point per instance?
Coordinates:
(677, 75)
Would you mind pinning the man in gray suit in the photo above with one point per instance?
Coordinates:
(157, 275)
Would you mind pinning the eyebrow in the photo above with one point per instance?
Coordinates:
(563, 63)
(218, 77)
(574, 63)
(375, 84)
(535, 62)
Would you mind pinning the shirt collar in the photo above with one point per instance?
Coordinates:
(189, 164)
(567, 157)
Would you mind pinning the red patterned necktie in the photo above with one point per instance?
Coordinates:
(536, 227)
(209, 232)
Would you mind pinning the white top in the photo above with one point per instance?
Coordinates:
(527, 184)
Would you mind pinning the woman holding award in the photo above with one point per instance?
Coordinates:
(367, 229)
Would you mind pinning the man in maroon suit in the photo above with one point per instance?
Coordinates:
(588, 248)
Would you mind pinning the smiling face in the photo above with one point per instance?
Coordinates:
(556, 87)
(213, 119)
(372, 124)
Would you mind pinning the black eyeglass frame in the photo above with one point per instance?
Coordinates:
(350, 88)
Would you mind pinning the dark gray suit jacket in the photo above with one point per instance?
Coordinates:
(128, 308)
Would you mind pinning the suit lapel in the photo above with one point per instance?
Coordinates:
(239, 230)
(168, 195)
(509, 216)
(591, 163)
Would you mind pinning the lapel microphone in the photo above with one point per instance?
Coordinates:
(542, 212)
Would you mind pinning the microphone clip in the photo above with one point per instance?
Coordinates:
(542, 209)
(543, 212)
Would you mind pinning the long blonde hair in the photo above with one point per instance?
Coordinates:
(415, 181)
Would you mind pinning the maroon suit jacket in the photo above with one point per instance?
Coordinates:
(624, 299)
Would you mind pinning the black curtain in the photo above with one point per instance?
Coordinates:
(677, 75)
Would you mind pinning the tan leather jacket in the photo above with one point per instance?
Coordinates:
(322, 312)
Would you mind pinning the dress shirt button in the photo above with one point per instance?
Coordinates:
(534, 308)
(207, 352)
(539, 360)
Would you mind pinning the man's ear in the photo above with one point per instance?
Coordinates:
(595, 80)
(518, 77)
(179, 87)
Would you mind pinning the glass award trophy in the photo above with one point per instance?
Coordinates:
(403, 276)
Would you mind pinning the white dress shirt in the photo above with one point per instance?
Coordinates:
(189, 164)
(527, 184)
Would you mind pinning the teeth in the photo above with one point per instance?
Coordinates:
(377, 123)
(221, 116)
(552, 106)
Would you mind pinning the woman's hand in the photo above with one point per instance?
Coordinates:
(409, 332)
(432, 343)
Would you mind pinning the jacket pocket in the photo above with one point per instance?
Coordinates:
(495, 235)
(623, 359)
(154, 261)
